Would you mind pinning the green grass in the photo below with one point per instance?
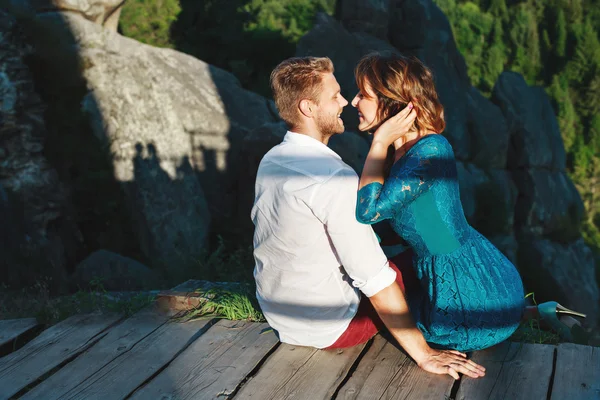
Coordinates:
(38, 303)
(232, 305)
(531, 332)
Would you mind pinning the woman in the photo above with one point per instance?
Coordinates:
(469, 296)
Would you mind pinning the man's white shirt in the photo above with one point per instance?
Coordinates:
(305, 231)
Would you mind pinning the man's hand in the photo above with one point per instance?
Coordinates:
(450, 362)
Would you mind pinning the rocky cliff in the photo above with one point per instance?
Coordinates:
(179, 141)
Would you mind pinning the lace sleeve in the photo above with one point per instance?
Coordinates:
(410, 177)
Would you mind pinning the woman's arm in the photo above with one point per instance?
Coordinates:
(390, 131)
(419, 170)
(393, 310)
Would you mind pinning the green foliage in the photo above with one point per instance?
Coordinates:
(36, 301)
(149, 21)
(561, 35)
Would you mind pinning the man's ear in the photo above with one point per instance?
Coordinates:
(307, 108)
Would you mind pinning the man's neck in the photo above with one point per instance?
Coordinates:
(311, 132)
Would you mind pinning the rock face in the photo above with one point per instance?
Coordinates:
(173, 127)
(553, 259)
(102, 12)
(114, 272)
(513, 182)
(184, 141)
(535, 136)
(37, 229)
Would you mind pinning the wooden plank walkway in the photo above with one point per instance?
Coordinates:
(151, 356)
(12, 331)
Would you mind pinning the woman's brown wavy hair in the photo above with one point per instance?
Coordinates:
(396, 80)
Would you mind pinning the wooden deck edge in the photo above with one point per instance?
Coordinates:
(21, 340)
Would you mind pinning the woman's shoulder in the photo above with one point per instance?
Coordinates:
(433, 144)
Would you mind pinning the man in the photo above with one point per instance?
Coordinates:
(312, 257)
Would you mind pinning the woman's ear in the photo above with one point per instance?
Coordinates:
(306, 107)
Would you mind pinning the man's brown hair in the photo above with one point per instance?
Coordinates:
(296, 79)
(397, 80)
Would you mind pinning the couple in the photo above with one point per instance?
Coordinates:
(315, 251)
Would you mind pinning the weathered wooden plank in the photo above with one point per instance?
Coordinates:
(577, 373)
(385, 372)
(300, 373)
(513, 371)
(374, 373)
(214, 365)
(125, 374)
(51, 348)
(117, 343)
(12, 329)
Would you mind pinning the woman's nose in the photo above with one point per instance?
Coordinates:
(355, 101)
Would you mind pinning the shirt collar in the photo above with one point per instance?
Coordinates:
(305, 140)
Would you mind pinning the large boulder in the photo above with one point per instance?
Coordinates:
(549, 204)
(102, 12)
(535, 135)
(40, 236)
(113, 272)
(173, 126)
(488, 131)
(368, 16)
(561, 272)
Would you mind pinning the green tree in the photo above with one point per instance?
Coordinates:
(586, 57)
(591, 103)
(495, 57)
(561, 35)
(498, 9)
(568, 119)
(525, 44)
(149, 21)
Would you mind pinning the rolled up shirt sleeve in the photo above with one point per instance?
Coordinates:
(356, 245)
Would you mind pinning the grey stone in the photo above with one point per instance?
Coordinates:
(535, 135)
(102, 12)
(562, 272)
(488, 131)
(41, 233)
(172, 220)
(173, 124)
(110, 271)
(368, 16)
(548, 205)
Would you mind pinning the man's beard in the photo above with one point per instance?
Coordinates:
(329, 125)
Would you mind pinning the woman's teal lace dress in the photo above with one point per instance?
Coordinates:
(470, 295)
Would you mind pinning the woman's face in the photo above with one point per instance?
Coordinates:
(366, 104)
